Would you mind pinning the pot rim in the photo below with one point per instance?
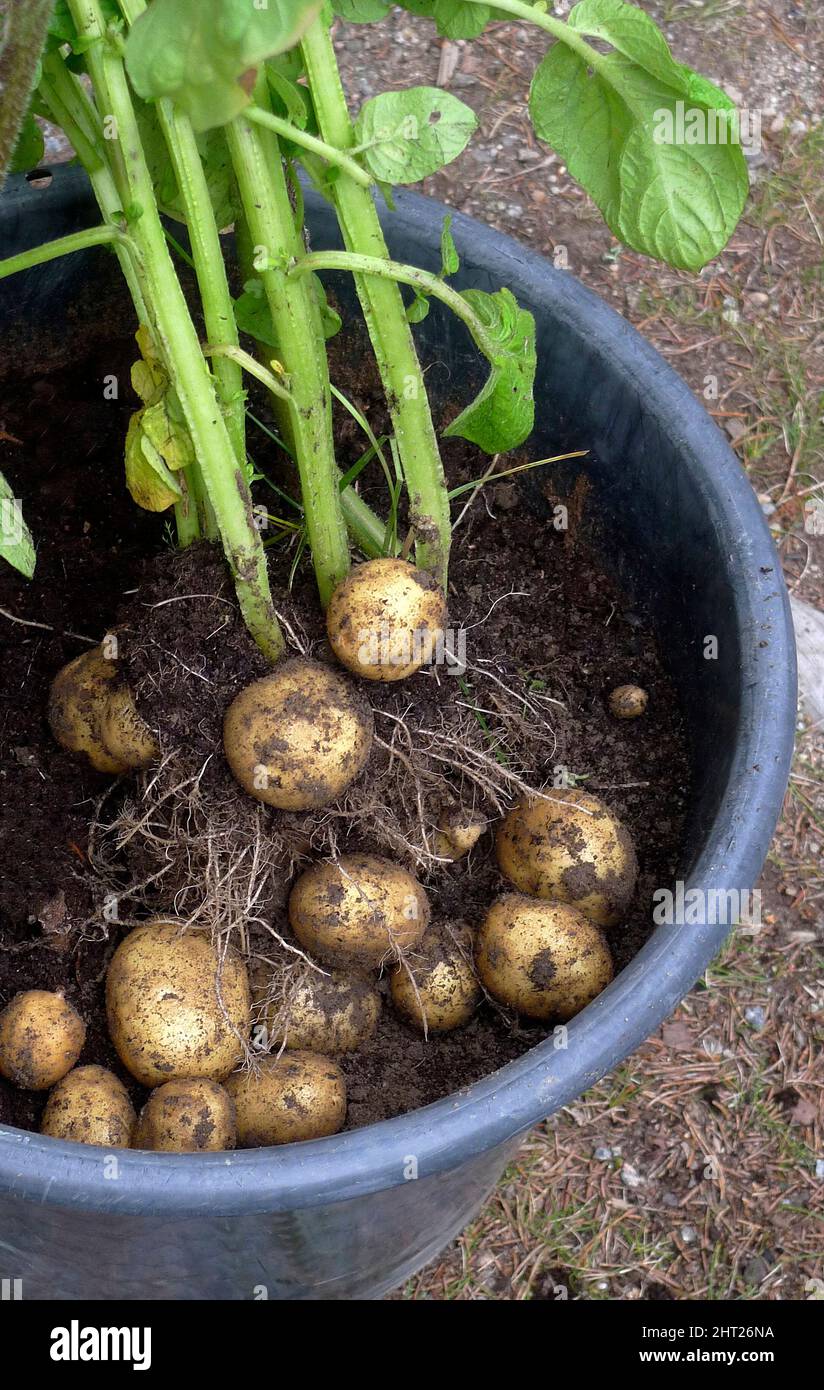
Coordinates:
(442, 1135)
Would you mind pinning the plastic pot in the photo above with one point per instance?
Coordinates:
(353, 1216)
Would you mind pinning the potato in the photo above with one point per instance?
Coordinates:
(628, 701)
(359, 910)
(543, 959)
(125, 735)
(570, 848)
(385, 619)
(299, 1095)
(90, 1106)
(297, 738)
(326, 1013)
(194, 1115)
(90, 711)
(458, 831)
(41, 1038)
(162, 1004)
(445, 992)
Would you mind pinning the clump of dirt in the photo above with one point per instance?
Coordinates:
(90, 856)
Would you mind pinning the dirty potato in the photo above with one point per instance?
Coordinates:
(176, 1009)
(41, 1038)
(569, 846)
(297, 738)
(543, 959)
(193, 1115)
(385, 619)
(90, 1106)
(299, 1095)
(436, 985)
(358, 911)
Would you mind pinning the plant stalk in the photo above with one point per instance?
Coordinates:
(268, 213)
(63, 246)
(385, 316)
(178, 340)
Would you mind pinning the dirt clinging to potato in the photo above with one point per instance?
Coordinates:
(549, 637)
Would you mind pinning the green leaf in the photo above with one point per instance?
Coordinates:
(450, 260)
(417, 311)
(615, 122)
(203, 53)
(290, 100)
(152, 485)
(331, 320)
(361, 11)
(16, 544)
(253, 316)
(22, 37)
(409, 135)
(457, 20)
(28, 152)
(503, 413)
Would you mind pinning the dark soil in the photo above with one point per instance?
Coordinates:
(548, 618)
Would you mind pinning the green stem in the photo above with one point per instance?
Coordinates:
(268, 212)
(385, 316)
(74, 113)
(556, 27)
(222, 474)
(405, 275)
(309, 142)
(254, 368)
(63, 246)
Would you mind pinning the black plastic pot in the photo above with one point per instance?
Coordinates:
(352, 1216)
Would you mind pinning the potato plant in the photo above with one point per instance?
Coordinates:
(214, 114)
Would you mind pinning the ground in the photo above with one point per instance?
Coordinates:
(694, 1170)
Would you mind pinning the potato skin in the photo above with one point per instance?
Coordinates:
(91, 711)
(571, 849)
(41, 1038)
(297, 738)
(359, 910)
(162, 1006)
(628, 701)
(543, 959)
(90, 1106)
(297, 1096)
(327, 1013)
(457, 833)
(385, 619)
(448, 992)
(194, 1115)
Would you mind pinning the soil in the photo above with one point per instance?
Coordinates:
(544, 622)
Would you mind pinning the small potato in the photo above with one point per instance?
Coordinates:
(543, 959)
(125, 735)
(190, 1116)
(359, 910)
(41, 1038)
(90, 711)
(164, 992)
(297, 738)
(326, 1013)
(385, 620)
(445, 992)
(628, 701)
(90, 1106)
(299, 1095)
(570, 848)
(458, 832)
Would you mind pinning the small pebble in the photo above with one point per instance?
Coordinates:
(689, 1235)
(603, 1153)
(755, 1017)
